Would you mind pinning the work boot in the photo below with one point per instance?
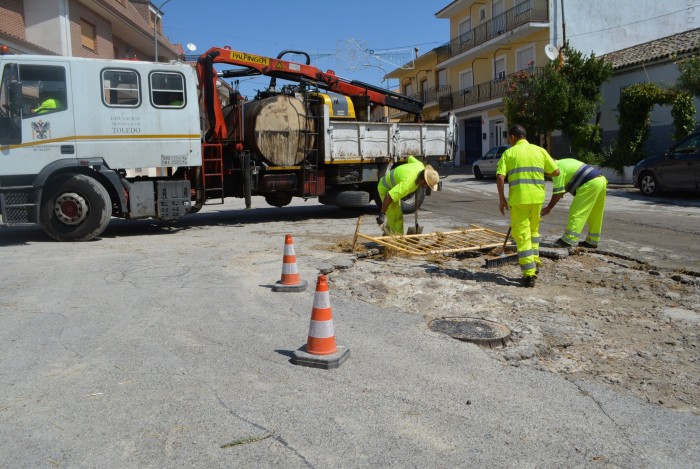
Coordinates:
(560, 243)
(529, 282)
(587, 245)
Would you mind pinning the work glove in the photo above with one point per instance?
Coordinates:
(381, 218)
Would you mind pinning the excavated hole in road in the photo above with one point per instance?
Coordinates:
(479, 331)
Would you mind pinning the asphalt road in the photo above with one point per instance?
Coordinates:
(162, 345)
(664, 230)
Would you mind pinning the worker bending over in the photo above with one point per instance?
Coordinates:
(525, 165)
(588, 187)
(397, 184)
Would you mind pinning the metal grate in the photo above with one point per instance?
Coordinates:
(17, 208)
(473, 239)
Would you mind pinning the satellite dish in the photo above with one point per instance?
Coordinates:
(551, 51)
(191, 47)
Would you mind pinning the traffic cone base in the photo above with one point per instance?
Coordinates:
(303, 358)
(291, 280)
(321, 350)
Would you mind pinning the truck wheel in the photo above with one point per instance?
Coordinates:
(408, 203)
(278, 199)
(345, 199)
(75, 208)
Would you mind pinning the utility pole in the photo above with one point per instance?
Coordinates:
(155, 30)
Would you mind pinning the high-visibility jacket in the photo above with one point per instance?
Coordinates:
(50, 104)
(572, 175)
(401, 181)
(525, 165)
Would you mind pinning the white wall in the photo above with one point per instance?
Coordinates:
(604, 26)
(44, 22)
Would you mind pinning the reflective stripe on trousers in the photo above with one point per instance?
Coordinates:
(525, 225)
(587, 207)
(394, 215)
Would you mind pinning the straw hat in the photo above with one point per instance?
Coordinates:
(431, 177)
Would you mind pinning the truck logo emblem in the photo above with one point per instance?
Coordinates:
(41, 130)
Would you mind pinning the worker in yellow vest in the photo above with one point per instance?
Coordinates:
(588, 187)
(397, 184)
(50, 103)
(525, 165)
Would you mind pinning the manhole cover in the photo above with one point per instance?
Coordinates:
(479, 331)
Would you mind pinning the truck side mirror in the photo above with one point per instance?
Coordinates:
(15, 92)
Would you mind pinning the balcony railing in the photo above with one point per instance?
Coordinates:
(432, 94)
(526, 12)
(482, 92)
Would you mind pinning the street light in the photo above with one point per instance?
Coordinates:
(155, 30)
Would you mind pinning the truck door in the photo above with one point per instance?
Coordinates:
(41, 125)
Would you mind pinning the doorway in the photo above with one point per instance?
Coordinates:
(497, 133)
(472, 140)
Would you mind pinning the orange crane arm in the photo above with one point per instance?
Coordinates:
(292, 71)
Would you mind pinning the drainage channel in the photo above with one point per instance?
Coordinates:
(479, 331)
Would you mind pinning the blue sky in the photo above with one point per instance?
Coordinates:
(341, 36)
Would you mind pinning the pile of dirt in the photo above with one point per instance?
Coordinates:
(592, 316)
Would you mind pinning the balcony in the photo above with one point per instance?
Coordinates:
(430, 95)
(528, 11)
(482, 92)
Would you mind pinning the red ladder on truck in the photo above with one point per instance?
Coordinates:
(212, 170)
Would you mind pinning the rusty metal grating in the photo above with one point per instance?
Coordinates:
(472, 239)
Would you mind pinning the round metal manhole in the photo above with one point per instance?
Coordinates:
(479, 331)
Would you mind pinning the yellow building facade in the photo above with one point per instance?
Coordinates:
(489, 41)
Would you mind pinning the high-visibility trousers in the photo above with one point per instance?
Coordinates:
(525, 228)
(587, 208)
(394, 215)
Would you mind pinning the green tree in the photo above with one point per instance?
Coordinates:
(563, 95)
(634, 117)
(689, 79)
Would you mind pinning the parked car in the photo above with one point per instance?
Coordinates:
(677, 169)
(486, 165)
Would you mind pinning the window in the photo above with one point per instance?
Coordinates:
(43, 89)
(408, 89)
(466, 81)
(500, 69)
(482, 14)
(521, 6)
(121, 88)
(525, 58)
(465, 29)
(167, 90)
(424, 90)
(442, 77)
(498, 18)
(87, 31)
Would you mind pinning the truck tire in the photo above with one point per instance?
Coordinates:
(408, 203)
(278, 199)
(75, 207)
(345, 199)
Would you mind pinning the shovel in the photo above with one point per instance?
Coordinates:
(415, 229)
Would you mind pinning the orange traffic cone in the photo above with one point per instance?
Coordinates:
(290, 281)
(321, 350)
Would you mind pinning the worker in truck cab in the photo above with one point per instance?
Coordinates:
(48, 104)
(397, 184)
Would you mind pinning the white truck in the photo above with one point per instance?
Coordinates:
(83, 140)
